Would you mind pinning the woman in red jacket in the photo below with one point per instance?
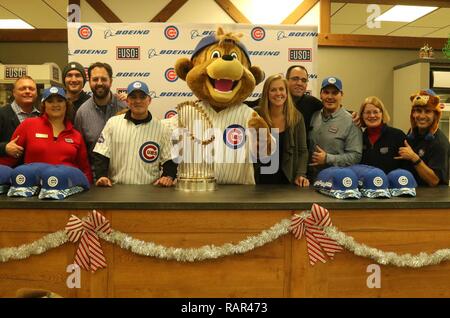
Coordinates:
(51, 138)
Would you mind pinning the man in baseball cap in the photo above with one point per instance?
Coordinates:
(147, 145)
(331, 81)
(74, 78)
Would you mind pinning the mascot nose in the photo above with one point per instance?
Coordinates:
(227, 58)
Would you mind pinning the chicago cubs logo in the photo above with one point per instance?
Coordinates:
(170, 75)
(52, 181)
(170, 114)
(84, 32)
(378, 181)
(171, 32)
(403, 180)
(234, 136)
(347, 182)
(149, 152)
(258, 34)
(20, 179)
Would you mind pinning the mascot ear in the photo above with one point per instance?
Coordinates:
(182, 67)
(258, 73)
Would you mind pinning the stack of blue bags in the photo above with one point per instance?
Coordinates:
(45, 180)
(364, 181)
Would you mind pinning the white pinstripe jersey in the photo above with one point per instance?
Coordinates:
(240, 171)
(135, 151)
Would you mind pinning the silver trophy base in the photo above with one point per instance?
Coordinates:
(197, 185)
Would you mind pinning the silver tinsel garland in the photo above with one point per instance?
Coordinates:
(211, 252)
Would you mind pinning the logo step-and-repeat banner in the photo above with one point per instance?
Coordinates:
(148, 52)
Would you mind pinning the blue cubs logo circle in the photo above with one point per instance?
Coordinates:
(234, 136)
(170, 75)
(84, 32)
(170, 114)
(171, 32)
(258, 33)
(149, 152)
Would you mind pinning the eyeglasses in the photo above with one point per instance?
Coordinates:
(297, 79)
(374, 112)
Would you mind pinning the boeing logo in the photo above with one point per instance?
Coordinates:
(200, 34)
(282, 35)
(92, 52)
(152, 52)
(109, 33)
(264, 53)
(176, 94)
(133, 74)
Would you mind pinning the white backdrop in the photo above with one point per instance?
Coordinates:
(148, 52)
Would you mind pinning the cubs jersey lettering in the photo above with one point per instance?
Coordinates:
(135, 151)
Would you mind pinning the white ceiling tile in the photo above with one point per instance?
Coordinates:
(386, 27)
(413, 31)
(137, 10)
(355, 14)
(193, 11)
(442, 33)
(343, 28)
(438, 18)
(36, 13)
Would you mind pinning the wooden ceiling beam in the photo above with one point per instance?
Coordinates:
(379, 41)
(168, 11)
(429, 3)
(35, 35)
(325, 16)
(232, 11)
(300, 12)
(104, 11)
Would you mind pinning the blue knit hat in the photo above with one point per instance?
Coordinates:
(372, 181)
(402, 182)
(5, 178)
(338, 182)
(26, 179)
(59, 182)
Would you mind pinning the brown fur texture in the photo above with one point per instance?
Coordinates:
(222, 60)
(425, 99)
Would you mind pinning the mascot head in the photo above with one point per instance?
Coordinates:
(219, 71)
(429, 100)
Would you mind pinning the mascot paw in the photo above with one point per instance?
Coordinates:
(256, 122)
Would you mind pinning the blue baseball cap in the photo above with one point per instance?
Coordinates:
(54, 90)
(26, 179)
(138, 86)
(338, 182)
(372, 181)
(402, 182)
(332, 81)
(5, 178)
(60, 181)
(211, 39)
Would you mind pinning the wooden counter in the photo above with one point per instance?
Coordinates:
(278, 269)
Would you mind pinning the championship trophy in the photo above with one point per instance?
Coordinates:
(196, 169)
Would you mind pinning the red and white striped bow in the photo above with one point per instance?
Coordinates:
(89, 255)
(312, 227)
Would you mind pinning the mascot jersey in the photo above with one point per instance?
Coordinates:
(135, 151)
(232, 163)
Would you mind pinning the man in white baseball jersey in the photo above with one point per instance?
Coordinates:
(133, 145)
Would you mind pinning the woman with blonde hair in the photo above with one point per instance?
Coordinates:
(277, 109)
(381, 142)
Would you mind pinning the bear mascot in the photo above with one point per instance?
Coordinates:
(221, 76)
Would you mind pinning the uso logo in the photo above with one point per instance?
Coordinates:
(258, 34)
(170, 75)
(128, 53)
(299, 54)
(84, 32)
(171, 32)
(149, 152)
(234, 136)
(170, 114)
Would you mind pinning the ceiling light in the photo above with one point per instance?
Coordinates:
(14, 24)
(405, 13)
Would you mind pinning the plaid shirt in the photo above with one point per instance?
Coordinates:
(23, 115)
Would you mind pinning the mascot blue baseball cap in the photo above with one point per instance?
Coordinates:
(338, 182)
(59, 182)
(26, 179)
